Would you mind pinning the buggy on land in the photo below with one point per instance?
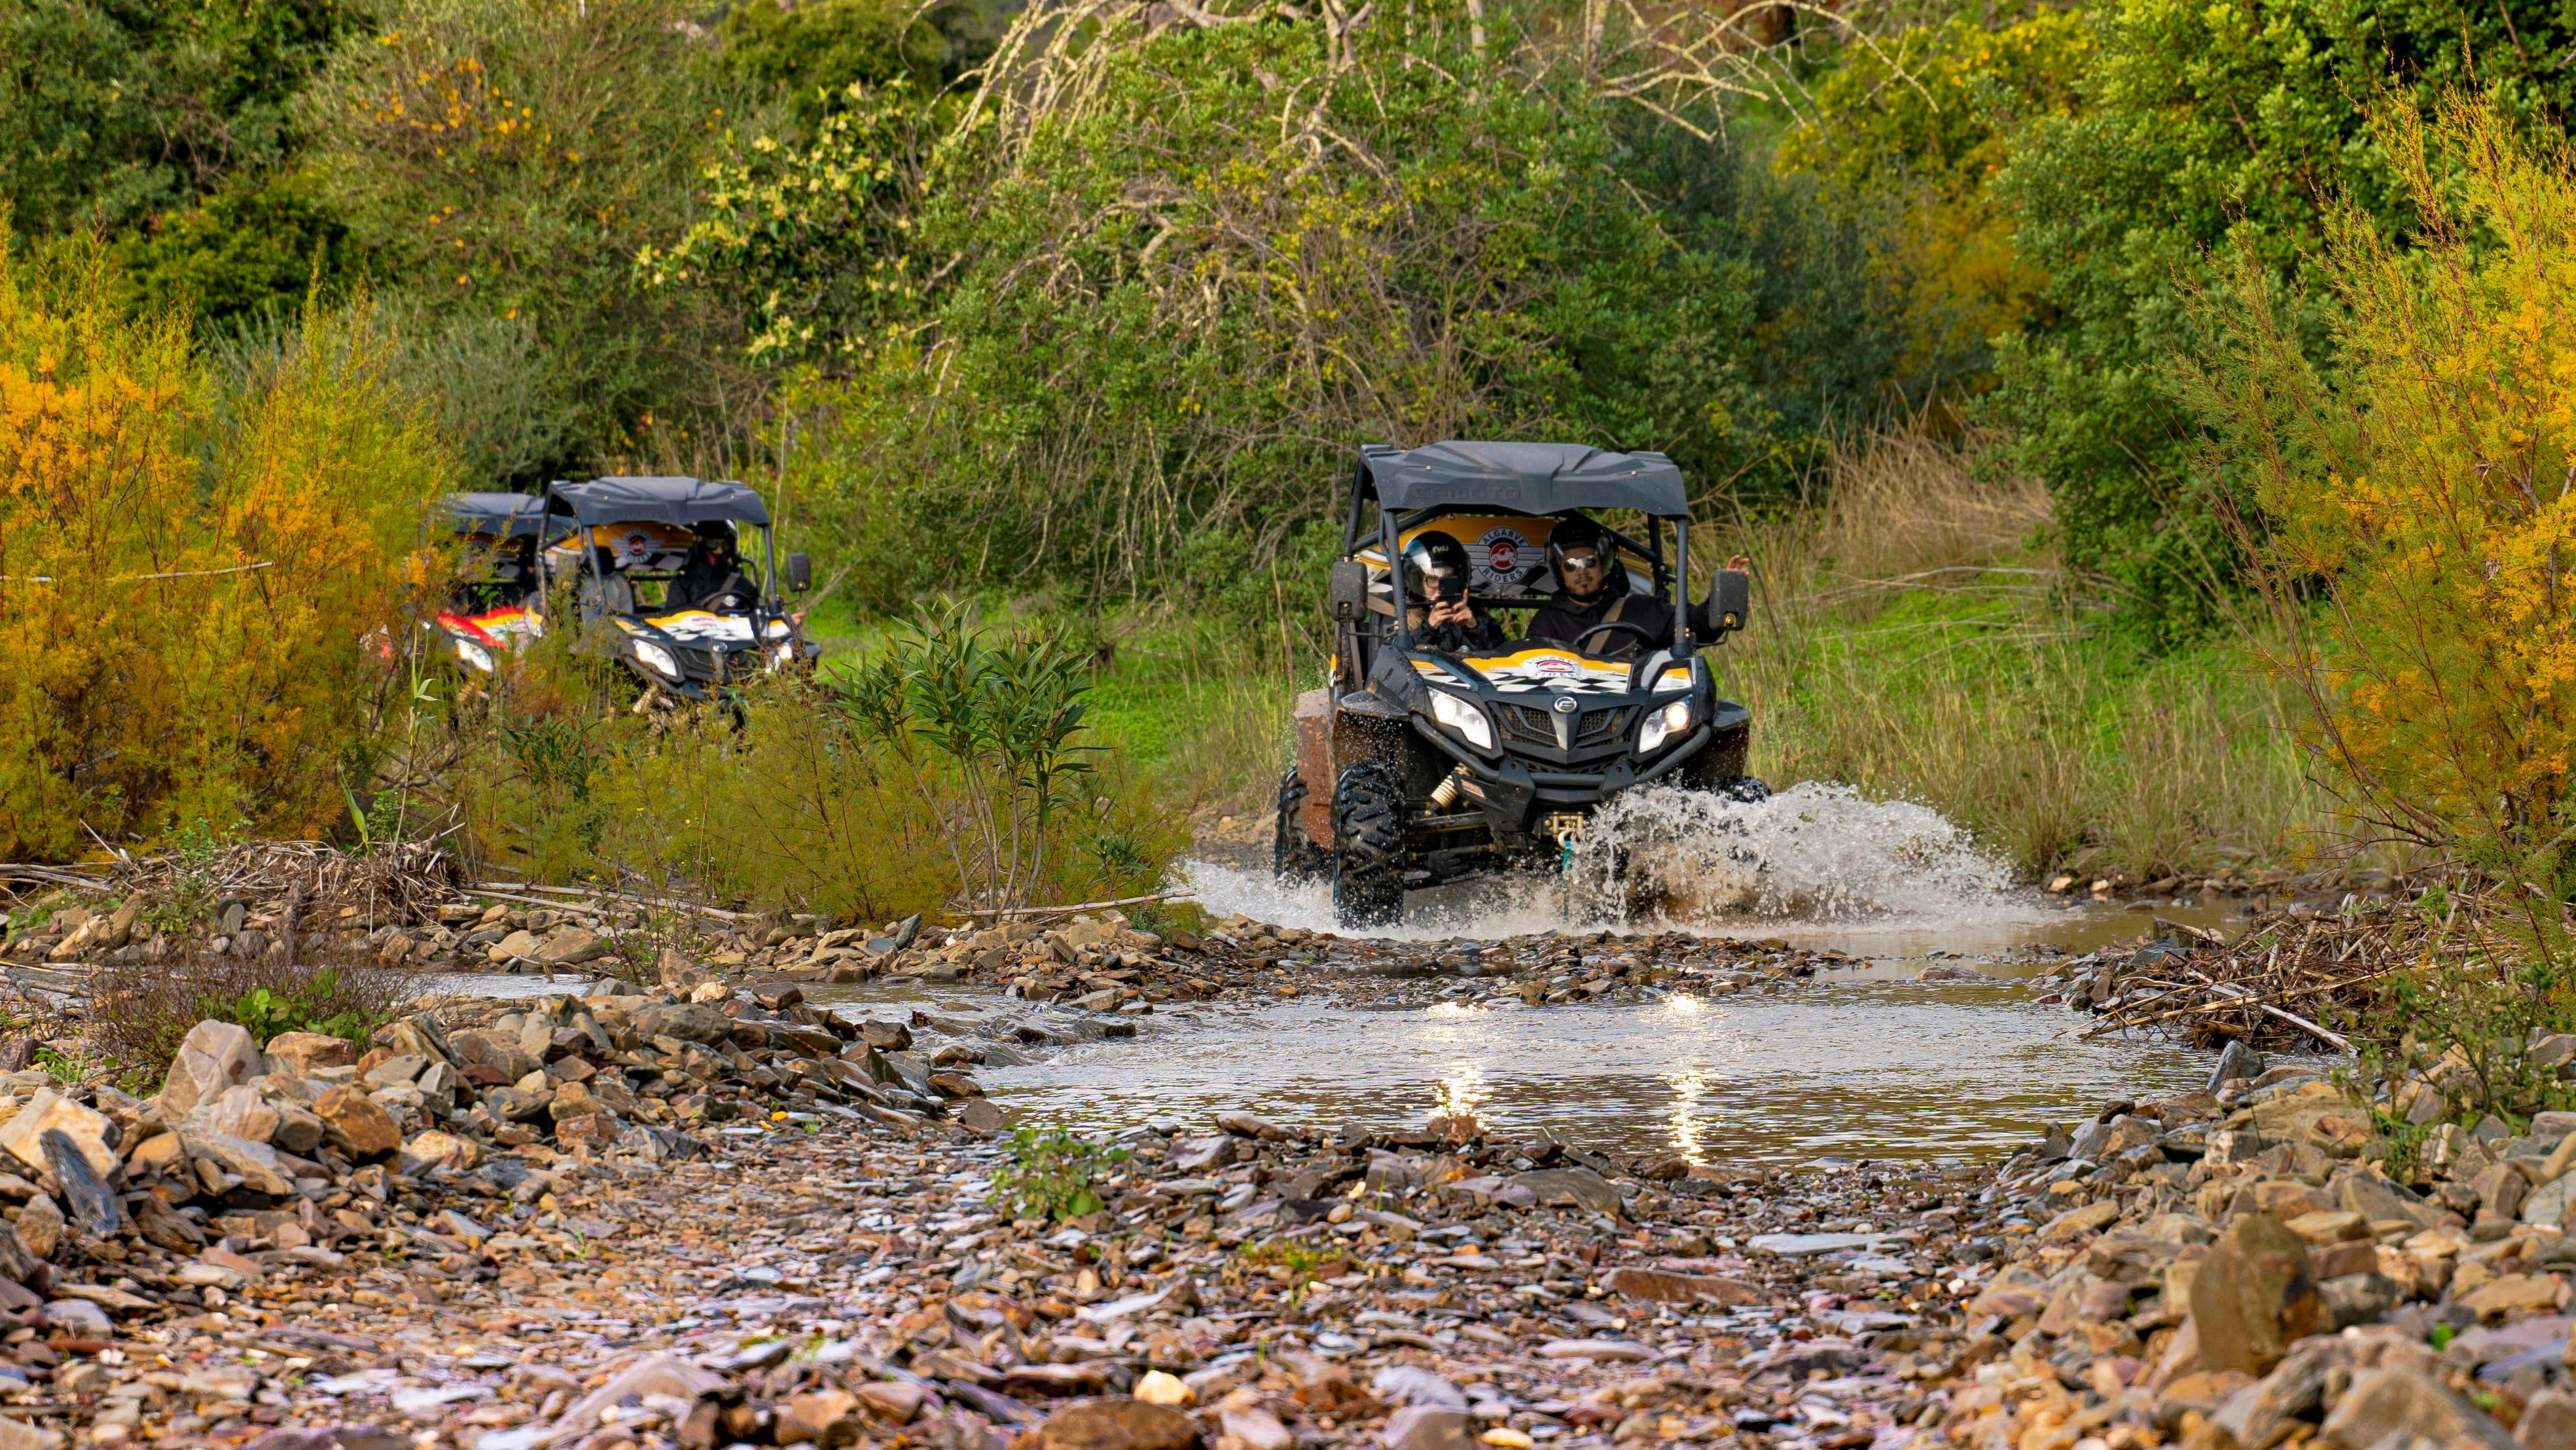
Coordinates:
(635, 554)
(495, 608)
(1417, 766)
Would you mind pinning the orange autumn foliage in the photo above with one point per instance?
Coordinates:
(2420, 505)
(197, 582)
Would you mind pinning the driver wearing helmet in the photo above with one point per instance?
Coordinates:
(1592, 598)
(1438, 610)
(713, 579)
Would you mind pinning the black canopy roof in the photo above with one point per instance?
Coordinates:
(507, 515)
(656, 500)
(1530, 478)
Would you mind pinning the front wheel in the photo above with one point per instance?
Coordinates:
(1294, 859)
(1368, 849)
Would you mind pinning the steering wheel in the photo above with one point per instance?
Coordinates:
(1582, 641)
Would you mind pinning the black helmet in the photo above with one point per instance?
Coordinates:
(1431, 556)
(1574, 531)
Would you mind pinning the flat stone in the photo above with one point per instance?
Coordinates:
(1618, 1349)
(827, 1417)
(2397, 1400)
(1663, 1286)
(434, 1149)
(17, 1434)
(2515, 1294)
(893, 1403)
(2548, 1422)
(212, 1057)
(2077, 1222)
(1579, 1188)
(256, 1164)
(663, 1374)
(1255, 1428)
(1116, 1423)
(1792, 1246)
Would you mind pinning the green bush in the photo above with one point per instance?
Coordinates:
(1052, 1175)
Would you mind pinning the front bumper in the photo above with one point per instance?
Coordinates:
(1514, 790)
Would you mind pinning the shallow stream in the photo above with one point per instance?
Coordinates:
(1873, 1062)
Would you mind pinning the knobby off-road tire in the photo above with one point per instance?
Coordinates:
(1368, 849)
(1295, 860)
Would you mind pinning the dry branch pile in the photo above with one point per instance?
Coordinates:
(2295, 980)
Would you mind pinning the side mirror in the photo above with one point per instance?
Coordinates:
(1730, 600)
(800, 573)
(1347, 594)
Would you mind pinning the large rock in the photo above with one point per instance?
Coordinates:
(2548, 1422)
(687, 1021)
(2264, 1413)
(304, 1053)
(356, 1124)
(212, 1057)
(2400, 1401)
(2239, 1063)
(663, 1374)
(826, 1417)
(239, 1111)
(570, 947)
(1116, 1423)
(49, 1111)
(2253, 1295)
(2378, 1200)
(92, 1200)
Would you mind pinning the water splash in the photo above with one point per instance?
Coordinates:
(1812, 853)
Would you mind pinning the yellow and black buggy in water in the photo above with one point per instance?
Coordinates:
(1448, 744)
(663, 575)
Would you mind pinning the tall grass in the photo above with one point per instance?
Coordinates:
(1916, 636)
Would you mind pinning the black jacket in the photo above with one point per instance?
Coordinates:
(1454, 638)
(1562, 620)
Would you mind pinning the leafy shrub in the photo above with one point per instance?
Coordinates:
(141, 1012)
(1051, 1175)
(2420, 490)
(188, 582)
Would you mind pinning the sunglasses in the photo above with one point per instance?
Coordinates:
(1582, 563)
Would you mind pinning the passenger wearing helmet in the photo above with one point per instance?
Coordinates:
(1437, 609)
(1592, 598)
(713, 578)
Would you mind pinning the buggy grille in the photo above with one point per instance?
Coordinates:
(1527, 723)
(1602, 726)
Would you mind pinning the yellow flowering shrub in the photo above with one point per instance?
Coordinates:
(198, 589)
(2417, 514)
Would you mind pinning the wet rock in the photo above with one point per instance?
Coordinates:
(1117, 1423)
(212, 1057)
(2237, 1063)
(2407, 1402)
(2253, 1295)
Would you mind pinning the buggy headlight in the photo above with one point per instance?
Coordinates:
(655, 658)
(475, 655)
(1463, 717)
(1663, 724)
(782, 657)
